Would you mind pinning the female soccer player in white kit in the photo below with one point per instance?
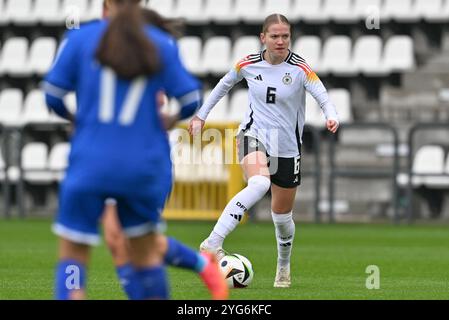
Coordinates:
(269, 139)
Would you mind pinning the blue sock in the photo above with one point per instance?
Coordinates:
(149, 283)
(70, 275)
(182, 256)
(125, 272)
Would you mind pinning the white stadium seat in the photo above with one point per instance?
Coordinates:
(310, 11)
(309, 48)
(221, 12)
(96, 9)
(11, 107)
(220, 112)
(429, 159)
(58, 160)
(249, 11)
(165, 7)
(276, 6)
(336, 56)
(398, 54)
(76, 9)
(186, 160)
(238, 105)
(441, 16)
(19, 12)
(342, 101)
(217, 55)
(42, 53)
(48, 12)
(314, 115)
(35, 109)
(35, 163)
(422, 9)
(14, 57)
(367, 55)
(366, 8)
(191, 10)
(398, 10)
(2, 9)
(190, 49)
(339, 10)
(212, 163)
(244, 46)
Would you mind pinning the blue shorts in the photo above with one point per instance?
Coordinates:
(80, 211)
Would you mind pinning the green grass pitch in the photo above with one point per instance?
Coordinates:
(328, 261)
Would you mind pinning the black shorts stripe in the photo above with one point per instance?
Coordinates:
(282, 170)
(249, 124)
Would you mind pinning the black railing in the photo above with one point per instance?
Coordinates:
(419, 127)
(4, 150)
(316, 170)
(364, 173)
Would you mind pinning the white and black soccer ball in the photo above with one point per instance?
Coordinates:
(237, 270)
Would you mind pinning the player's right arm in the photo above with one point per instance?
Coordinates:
(62, 77)
(220, 90)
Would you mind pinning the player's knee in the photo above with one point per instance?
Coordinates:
(260, 184)
(114, 239)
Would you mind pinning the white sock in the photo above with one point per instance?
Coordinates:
(233, 212)
(285, 233)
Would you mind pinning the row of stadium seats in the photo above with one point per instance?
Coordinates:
(49, 12)
(19, 58)
(17, 110)
(44, 165)
(337, 55)
(39, 165)
(310, 11)
(28, 12)
(431, 167)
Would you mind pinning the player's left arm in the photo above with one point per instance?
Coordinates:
(316, 88)
(62, 77)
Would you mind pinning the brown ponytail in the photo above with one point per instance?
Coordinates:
(124, 46)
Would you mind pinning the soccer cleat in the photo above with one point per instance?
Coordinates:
(218, 252)
(213, 278)
(282, 279)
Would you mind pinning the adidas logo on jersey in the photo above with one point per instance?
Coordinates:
(259, 77)
(236, 216)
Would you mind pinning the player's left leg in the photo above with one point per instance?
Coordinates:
(285, 177)
(281, 211)
(175, 254)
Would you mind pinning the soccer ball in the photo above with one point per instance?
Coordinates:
(237, 270)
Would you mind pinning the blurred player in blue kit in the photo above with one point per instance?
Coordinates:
(119, 148)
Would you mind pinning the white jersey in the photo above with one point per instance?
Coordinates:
(276, 95)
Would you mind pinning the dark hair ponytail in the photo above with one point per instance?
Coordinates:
(124, 46)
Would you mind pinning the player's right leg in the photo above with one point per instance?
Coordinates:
(77, 227)
(255, 166)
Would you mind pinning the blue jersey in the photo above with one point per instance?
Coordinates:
(119, 143)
